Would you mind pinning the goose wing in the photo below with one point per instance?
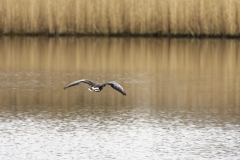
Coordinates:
(80, 81)
(115, 86)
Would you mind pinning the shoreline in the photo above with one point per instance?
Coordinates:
(154, 35)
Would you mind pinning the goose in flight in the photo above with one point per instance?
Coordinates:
(98, 87)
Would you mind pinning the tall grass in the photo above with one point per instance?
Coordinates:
(163, 17)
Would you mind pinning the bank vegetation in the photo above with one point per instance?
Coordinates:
(121, 17)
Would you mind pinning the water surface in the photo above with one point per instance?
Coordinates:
(182, 98)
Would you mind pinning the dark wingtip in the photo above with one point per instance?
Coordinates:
(65, 88)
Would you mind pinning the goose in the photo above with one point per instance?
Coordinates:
(95, 87)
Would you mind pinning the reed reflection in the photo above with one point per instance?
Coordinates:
(157, 73)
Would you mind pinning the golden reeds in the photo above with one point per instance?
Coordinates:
(141, 17)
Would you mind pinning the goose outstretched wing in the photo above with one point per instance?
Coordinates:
(79, 81)
(115, 86)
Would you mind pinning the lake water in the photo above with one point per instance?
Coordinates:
(183, 98)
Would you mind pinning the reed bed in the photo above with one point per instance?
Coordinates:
(118, 17)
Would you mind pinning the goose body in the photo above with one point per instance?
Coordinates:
(95, 87)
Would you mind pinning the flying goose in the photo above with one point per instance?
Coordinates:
(98, 87)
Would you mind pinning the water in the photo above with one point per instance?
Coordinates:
(182, 99)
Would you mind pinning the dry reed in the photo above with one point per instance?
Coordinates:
(161, 17)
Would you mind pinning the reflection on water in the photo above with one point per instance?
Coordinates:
(182, 98)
